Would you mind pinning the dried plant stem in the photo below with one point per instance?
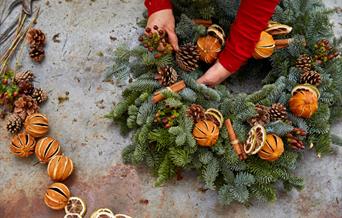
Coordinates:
(19, 37)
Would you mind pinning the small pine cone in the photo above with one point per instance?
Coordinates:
(14, 123)
(304, 62)
(166, 76)
(187, 57)
(263, 116)
(35, 37)
(278, 112)
(26, 76)
(26, 87)
(196, 112)
(312, 77)
(39, 95)
(37, 53)
(25, 106)
(212, 119)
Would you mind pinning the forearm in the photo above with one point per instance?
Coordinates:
(252, 18)
(157, 5)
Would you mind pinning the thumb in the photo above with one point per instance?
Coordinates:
(173, 39)
(203, 80)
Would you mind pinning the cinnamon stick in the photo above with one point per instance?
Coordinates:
(177, 87)
(206, 23)
(238, 148)
(282, 43)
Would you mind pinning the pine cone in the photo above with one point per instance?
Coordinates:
(166, 76)
(39, 95)
(294, 142)
(14, 123)
(37, 53)
(196, 112)
(263, 116)
(26, 76)
(278, 112)
(35, 37)
(312, 77)
(187, 57)
(25, 106)
(304, 62)
(26, 88)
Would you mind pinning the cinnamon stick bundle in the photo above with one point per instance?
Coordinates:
(237, 146)
(177, 87)
(203, 22)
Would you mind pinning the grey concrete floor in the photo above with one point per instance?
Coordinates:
(75, 65)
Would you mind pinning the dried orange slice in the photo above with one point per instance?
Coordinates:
(103, 213)
(122, 216)
(217, 114)
(256, 139)
(72, 215)
(75, 205)
(306, 87)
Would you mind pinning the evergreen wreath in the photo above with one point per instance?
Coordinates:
(162, 136)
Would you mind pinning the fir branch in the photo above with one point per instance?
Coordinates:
(210, 172)
(166, 171)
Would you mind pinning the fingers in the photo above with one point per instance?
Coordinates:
(203, 80)
(173, 40)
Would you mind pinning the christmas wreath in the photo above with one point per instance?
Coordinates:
(241, 144)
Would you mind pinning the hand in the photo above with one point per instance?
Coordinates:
(165, 20)
(215, 75)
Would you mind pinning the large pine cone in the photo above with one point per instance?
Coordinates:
(26, 76)
(187, 57)
(39, 95)
(166, 76)
(304, 62)
(263, 116)
(312, 77)
(196, 112)
(14, 123)
(25, 106)
(35, 37)
(37, 53)
(26, 87)
(278, 112)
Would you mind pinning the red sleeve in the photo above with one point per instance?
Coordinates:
(157, 5)
(251, 19)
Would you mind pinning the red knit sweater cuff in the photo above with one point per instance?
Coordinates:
(230, 61)
(154, 6)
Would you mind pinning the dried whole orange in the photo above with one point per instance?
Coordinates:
(22, 145)
(206, 133)
(209, 48)
(47, 148)
(37, 125)
(273, 148)
(57, 196)
(304, 100)
(60, 168)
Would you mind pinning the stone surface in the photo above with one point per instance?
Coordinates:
(89, 31)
